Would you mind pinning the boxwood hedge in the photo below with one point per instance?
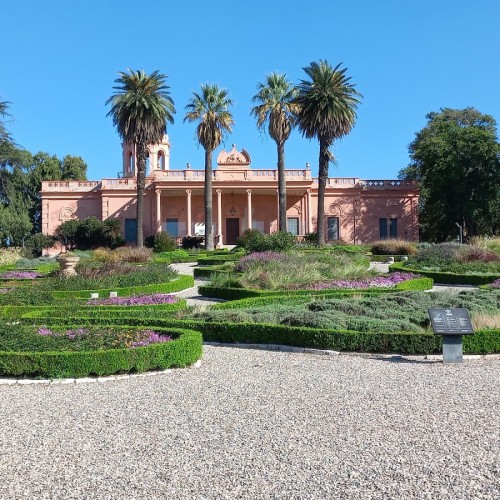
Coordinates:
(184, 350)
(446, 277)
(243, 293)
(176, 285)
(482, 342)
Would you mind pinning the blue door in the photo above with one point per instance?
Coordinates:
(131, 230)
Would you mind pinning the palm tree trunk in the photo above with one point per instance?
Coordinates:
(281, 187)
(209, 237)
(141, 183)
(322, 177)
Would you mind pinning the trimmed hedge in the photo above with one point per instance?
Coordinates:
(482, 342)
(213, 260)
(447, 278)
(180, 352)
(244, 293)
(97, 312)
(207, 271)
(176, 285)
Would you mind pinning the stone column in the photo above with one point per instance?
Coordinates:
(310, 228)
(104, 208)
(188, 222)
(277, 210)
(158, 210)
(249, 208)
(220, 241)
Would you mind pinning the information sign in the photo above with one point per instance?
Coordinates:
(451, 321)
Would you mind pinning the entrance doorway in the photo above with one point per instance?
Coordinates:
(131, 230)
(232, 230)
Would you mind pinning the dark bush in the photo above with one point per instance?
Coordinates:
(190, 242)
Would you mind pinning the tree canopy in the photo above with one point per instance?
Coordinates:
(141, 106)
(456, 160)
(211, 109)
(328, 102)
(276, 105)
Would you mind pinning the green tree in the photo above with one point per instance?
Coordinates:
(276, 106)
(66, 233)
(73, 168)
(328, 103)
(455, 159)
(211, 109)
(141, 106)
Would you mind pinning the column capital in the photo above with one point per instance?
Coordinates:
(218, 191)
(249, 192)
(188, 192)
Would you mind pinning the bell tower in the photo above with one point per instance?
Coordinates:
(159, 158)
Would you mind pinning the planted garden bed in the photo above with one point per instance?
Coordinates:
(81, 351)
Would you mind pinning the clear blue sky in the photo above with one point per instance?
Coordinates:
(60, 59)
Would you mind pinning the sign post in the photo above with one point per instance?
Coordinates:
(451, 324)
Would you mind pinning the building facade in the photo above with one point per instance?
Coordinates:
(356, 210)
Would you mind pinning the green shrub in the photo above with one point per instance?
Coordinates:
(176, 256)
(190, 242)
(37, 243)
(163, 242)
(247, 236)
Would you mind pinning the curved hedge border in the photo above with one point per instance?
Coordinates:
(207, 271)
(176, 285)
(180, 352)
(447, 278)
(482, 342)
(213, 260)
(244, 293)
(98, 312)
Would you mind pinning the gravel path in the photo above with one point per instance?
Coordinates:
(193, 298)
(258, 424)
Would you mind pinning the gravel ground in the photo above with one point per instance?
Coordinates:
(260, 424)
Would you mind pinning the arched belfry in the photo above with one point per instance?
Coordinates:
(159, 158)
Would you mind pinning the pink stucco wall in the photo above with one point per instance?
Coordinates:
(358, 204)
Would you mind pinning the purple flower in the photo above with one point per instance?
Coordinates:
(46, 332)
(258, 258)
(150, 337)
(135, 300)
(495, 284)
(377, 282)
(20, 275)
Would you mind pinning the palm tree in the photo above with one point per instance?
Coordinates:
(141, 106)
(277, 107)
(328, 103)
(211, 109)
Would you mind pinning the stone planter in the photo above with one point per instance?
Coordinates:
(68, 264)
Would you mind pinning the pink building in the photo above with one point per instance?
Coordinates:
(356, 210)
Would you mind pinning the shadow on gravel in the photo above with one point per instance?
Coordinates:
(401, 359)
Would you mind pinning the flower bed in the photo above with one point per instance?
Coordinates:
(376, 282)
(20, 275)
(135, 300)
(76, 351)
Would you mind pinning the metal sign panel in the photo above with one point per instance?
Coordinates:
(451, 321)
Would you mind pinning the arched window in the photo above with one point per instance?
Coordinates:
(161, 160)
(130, 164)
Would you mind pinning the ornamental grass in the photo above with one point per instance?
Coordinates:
(295, 269)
